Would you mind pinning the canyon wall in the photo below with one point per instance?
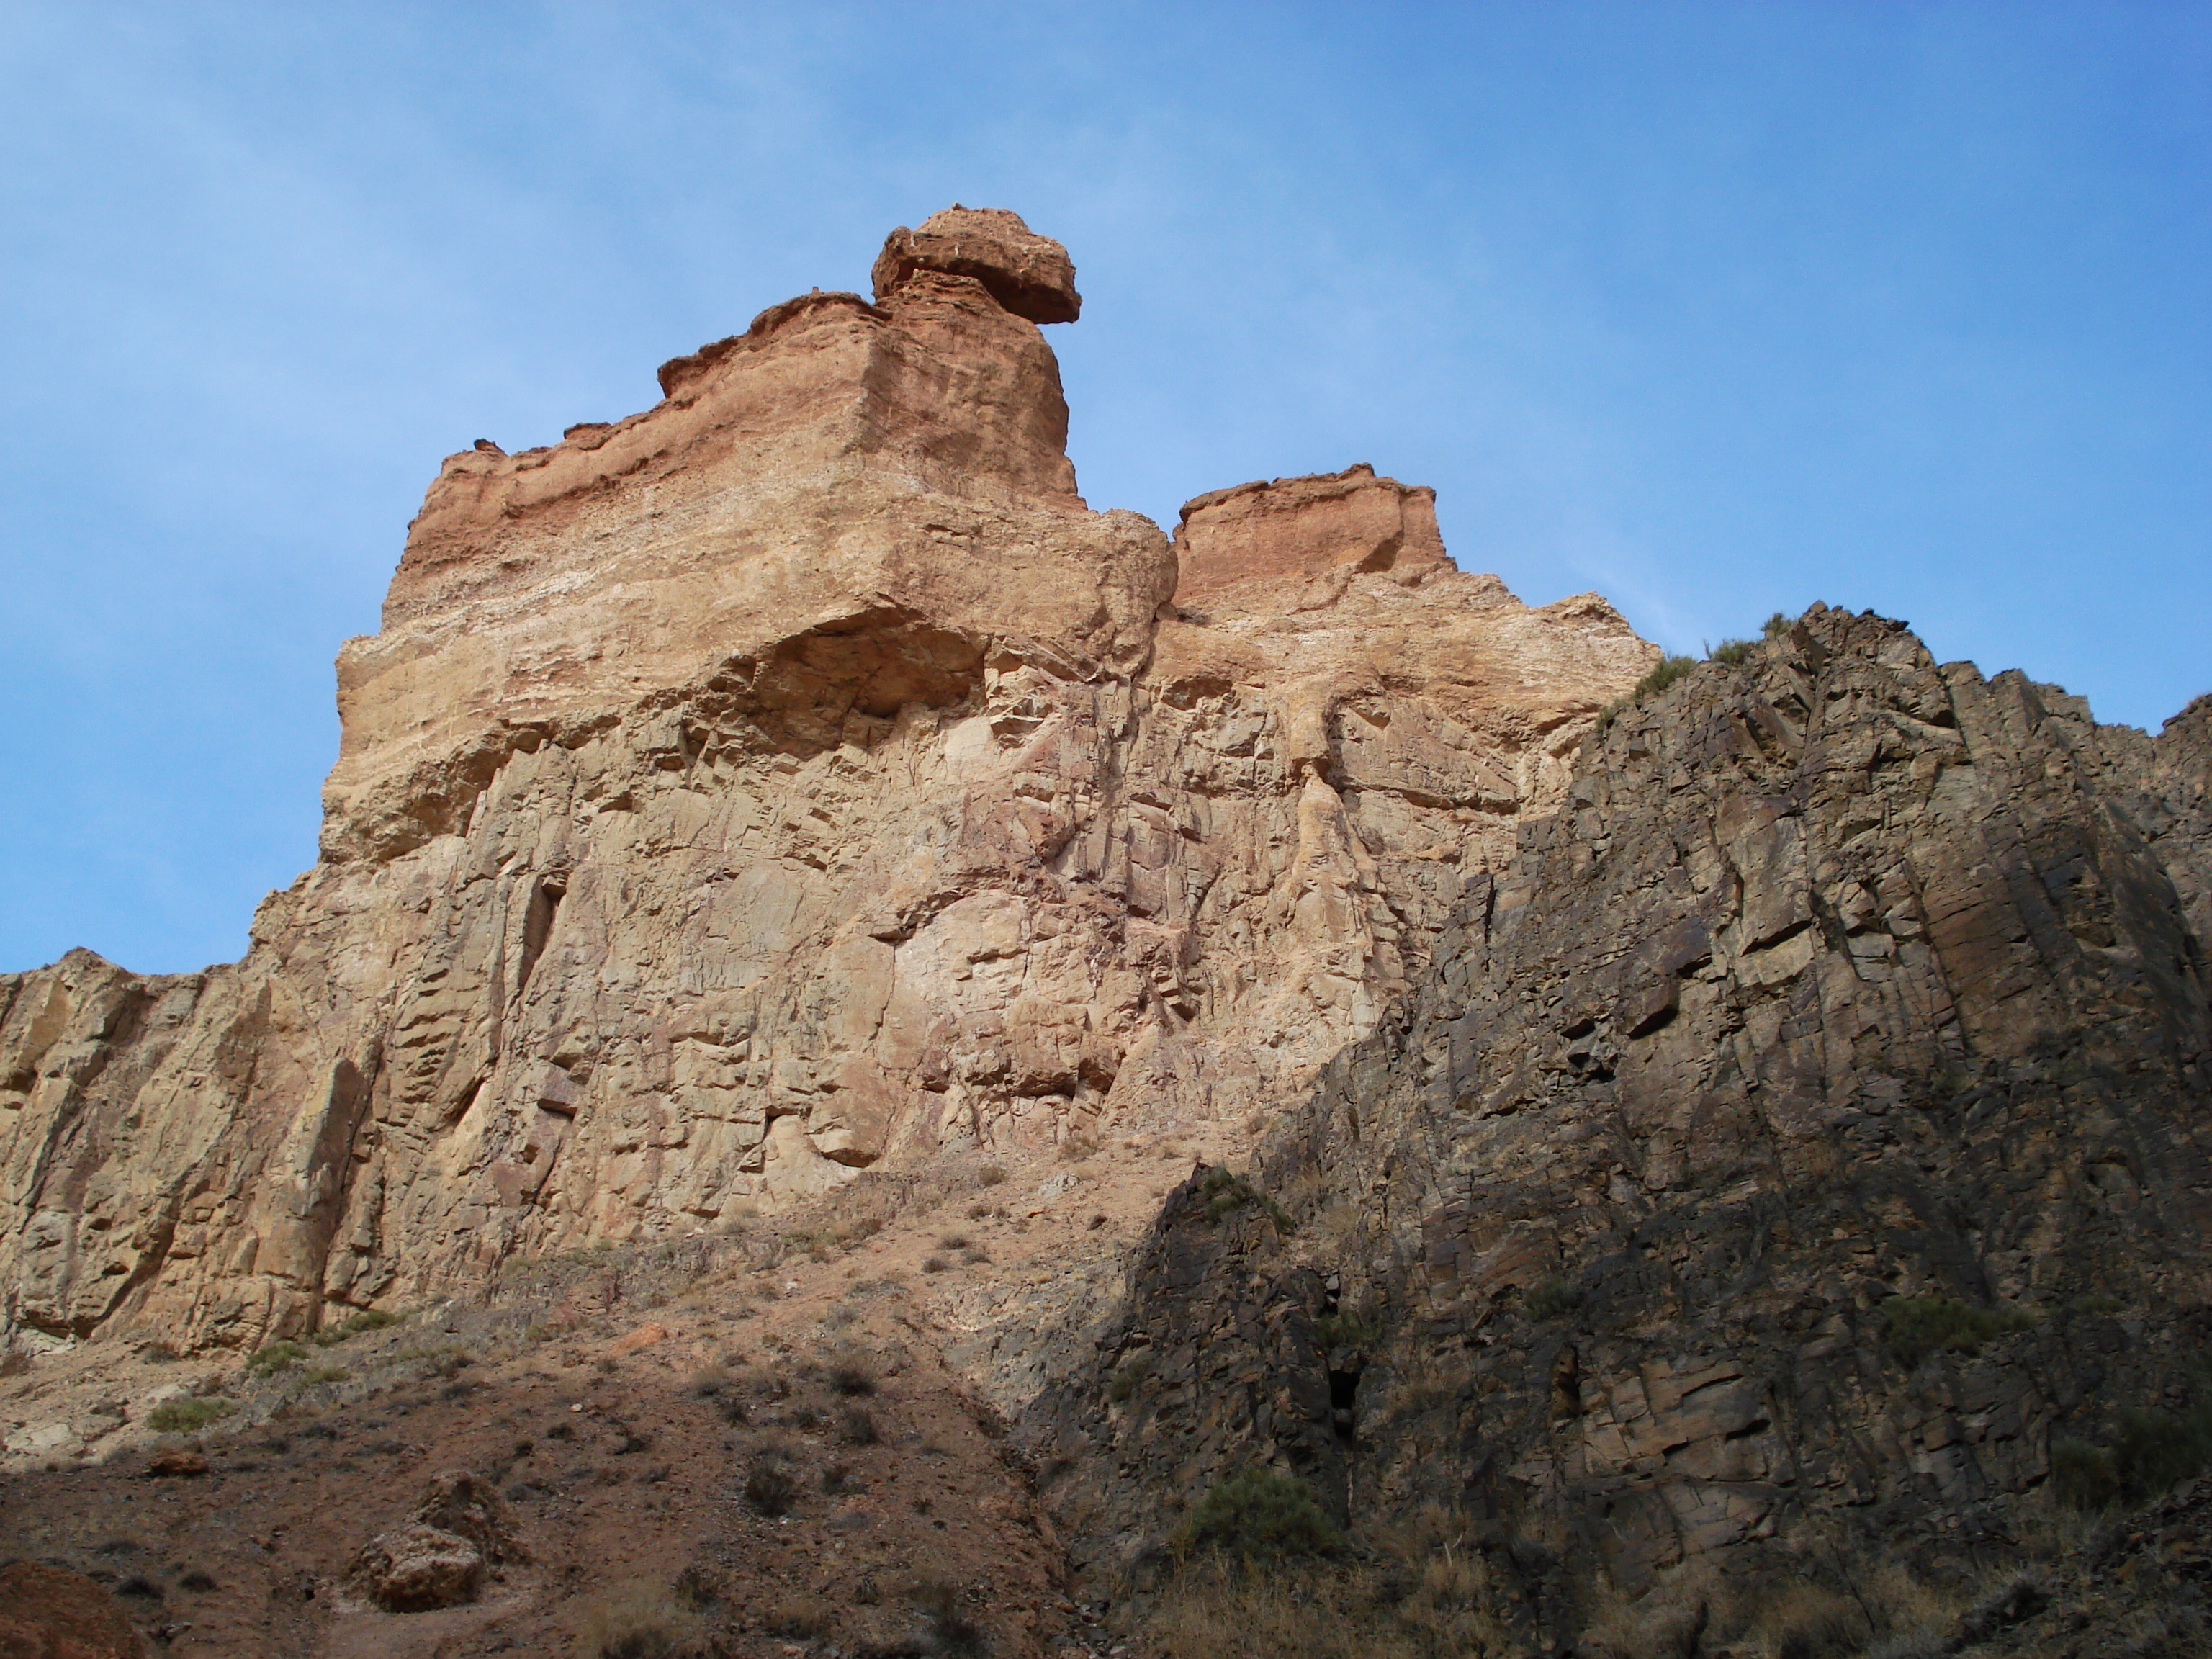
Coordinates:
(794, 779)
(1797, 1141)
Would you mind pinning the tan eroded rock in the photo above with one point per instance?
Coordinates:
(417, 1568)
(794, 779)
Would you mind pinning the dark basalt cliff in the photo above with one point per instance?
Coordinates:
(1801, 1140)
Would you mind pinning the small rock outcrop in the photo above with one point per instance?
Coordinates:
(49, 1613)
(439, 1557)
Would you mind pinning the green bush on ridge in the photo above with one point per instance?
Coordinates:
(1259, 1515)
(1914, 1327)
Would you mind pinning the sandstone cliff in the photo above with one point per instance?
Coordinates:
(794, 779)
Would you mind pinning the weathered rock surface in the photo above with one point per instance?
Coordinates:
(1030, 274)
(47, 1613)
(792, 778)
(1842, 977)
(438, 1558)
(1320, 527)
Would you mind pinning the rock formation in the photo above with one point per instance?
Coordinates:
(793, 779)
(1794, 1143)
(1714, 1147)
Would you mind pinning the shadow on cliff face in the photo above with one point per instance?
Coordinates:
(1788, 1173)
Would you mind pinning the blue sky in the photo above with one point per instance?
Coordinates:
(1717, 309)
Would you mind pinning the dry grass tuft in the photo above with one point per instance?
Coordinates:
(802, 1617)
(1317, 1611)
(638, 1624)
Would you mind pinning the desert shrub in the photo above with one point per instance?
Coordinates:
(637, 1623)
(1914, 1327)
(1076, 1148)
(1664, 674)
(935, 1264)
(368, 1319)
(1776, 626)
(1552, 1297)
(991, 1174)
(709, 1380)
(951, 1631)
(1729, 652)
(769, 1487)
(803, 1618)
(1131, 1375)
(275, 1356)
(856, 1426)
(315, 1374)
(1225, 1193)
(979, 1211)
(1259, 1514)
(1347, 1329)
(2082, 1475)
(2153, 1450)
(1807, 1621)
(837, 1479)
(852, 1377)
(188, 1416)
(1919, 1644)
(952, 1241)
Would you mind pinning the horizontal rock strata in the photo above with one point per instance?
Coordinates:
(792, 778)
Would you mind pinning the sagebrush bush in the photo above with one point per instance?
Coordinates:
(637, 1623)
(368, 1319)
(1729, 652)
(852, 1376)
(1260, 1514)
(770, 1486)
(2153, 1450)
(1662, 675)
(188, 1416)
(1552, 1297)
(1225, 1193)
(1347, 1329)
(857, 1426)
(1914, 1327)
(802, 1617)
(951, 1631)
(275, 1356)
(1130, 1377)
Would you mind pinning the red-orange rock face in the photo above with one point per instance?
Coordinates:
(1295, 528)
(1028, 274)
